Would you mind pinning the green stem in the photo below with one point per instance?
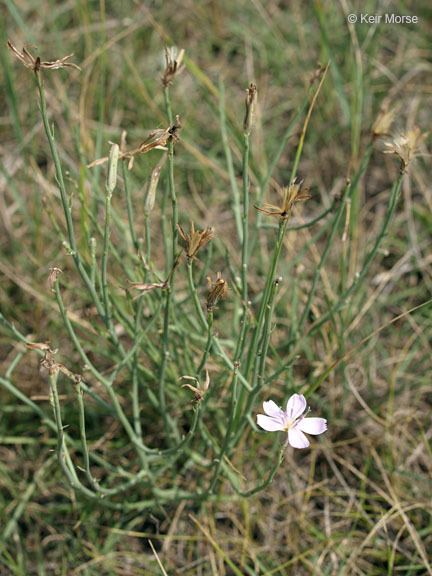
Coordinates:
(107, 307)
(266, 294)
(129, 206)
(216, 343)
(261, 356)
(106, 383)
(64, 199)
(209, 343)
(226, 444)
(359, 278)
(323, 258)
(266, 482)
(245, 221)
(229, 161)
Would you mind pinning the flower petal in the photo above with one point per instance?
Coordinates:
(296, 405)
(273, 410)
(269, 424)
(297, 439)
(313, 425)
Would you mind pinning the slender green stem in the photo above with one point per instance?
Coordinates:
(65, 201)
(209, 343)
(163, 364)
(168, 294)
(129, 206)
(220, 351)
(267, 331)
(266, 294)
(318, 269)
(107, 307)
(147, 239)
(229, 161)
(268, 480)
(259, 368)
(360, 276)
(227, 440)
(106, 383)
(135, 377)
(195, 297)
(245, 221)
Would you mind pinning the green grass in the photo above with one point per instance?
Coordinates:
(92, 470)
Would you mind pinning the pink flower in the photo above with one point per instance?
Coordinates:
(293, 420)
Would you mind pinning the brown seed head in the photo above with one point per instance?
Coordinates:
(404, 146)
(52, 278)
(217, 291)
(156, 140)
(196, 239)
(198, 390)
(174, 65)
(292, 194)
(35, 63)
(251, 102)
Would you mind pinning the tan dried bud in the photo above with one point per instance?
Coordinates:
(35, 63)
(404, 146)
(217, 291)
(195, 240)
(53, 276)
(156, 140)
(251, 101)
(150, 193)
(174, 65)
(38, 346)
(292, 194)
(198, 390)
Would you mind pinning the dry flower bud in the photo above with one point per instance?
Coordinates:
(156, 140)
(150, 193)
(50, 364)
(217, 290)
(251, 101)
(174, 65)
(195, 239)
(198, 390)
(404, 146)
(52, 278)
(294, 193)
(35, 63)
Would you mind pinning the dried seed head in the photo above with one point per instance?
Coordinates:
(292, 194)
(156, 140)
(217, 291)
(251, 101)
(35, 63)
(50, 364)
(146, 287)
(53, 276)
(195, 239)
(198, 390)
(174, 65)
(404, 146)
